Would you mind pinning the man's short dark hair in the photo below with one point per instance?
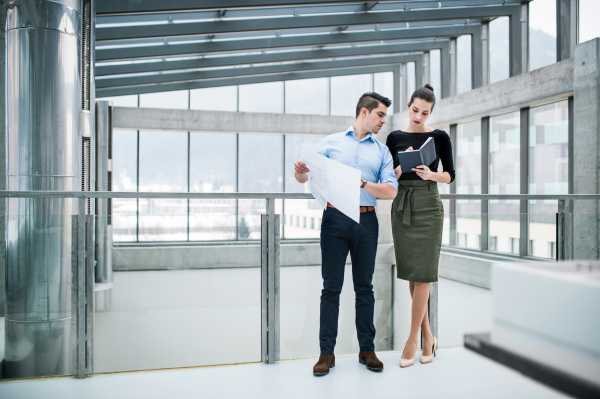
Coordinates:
(370, 101)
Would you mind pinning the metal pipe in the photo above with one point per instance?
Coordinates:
(43, 152)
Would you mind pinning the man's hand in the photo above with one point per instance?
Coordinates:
(300, 167)
(301, 171)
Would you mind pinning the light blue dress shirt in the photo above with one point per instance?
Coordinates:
(369, 155)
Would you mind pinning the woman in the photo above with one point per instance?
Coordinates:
(418, 217)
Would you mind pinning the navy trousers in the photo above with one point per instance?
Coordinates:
(340, 235)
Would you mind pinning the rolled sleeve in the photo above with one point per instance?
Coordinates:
(386, 173)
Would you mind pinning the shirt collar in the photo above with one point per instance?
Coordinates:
(350, 131)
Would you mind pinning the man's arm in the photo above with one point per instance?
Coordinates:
(381, 190)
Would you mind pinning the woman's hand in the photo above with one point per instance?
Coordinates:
(398, 170)
(423, 172)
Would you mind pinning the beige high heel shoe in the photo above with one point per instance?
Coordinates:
(429, 359)
(406, 362)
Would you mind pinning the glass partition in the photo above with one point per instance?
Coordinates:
(435, 70)
(504, 169)
(411, 79)
(307, 96)
(124, 178)
(167, 99)
(588, 20)
(499, 49)
(542, 33)
(548, 173)
(261, 97)
(215, 98)
(345, 92)
(468, 181)
(163, 167)
(463, 63)
(213, 169)
(383, 83)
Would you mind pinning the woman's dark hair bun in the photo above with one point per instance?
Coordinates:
(428, 86)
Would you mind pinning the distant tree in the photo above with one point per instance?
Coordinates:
(243, 229)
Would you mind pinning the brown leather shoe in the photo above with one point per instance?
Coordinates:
(326, 361)
(370, 359)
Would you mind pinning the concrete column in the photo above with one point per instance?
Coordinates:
(566, 28)
(446, 69)
(397, 89)
(519, 41)
(2, 168)
(383, 280)
(586, 148)
(418, 73)
(477, 55)
(452, 72)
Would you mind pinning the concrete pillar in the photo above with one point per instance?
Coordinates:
(446, 58)
(519, 41)
(566, 28)
(2, 169)
(383, 279)
(586, 149)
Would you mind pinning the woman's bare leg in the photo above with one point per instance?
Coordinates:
(420, 296)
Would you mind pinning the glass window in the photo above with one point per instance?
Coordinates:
(548, 173)
(542, 33)
(167, 99)
(435, 70)
(122, 101)
(345, 92)
(307, 96)
(260, 170)
(301, 218)
(213, 168)
(468, 181)
(463, 63)
(214, 98)
(383, 83)
(261, 97)
(124, 178)
(499, 49)
(411, 79)
(588, 20)
(504, 227)
(163, 167)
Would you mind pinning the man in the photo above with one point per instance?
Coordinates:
(358, 148)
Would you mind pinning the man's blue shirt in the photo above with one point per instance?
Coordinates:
(369, 155)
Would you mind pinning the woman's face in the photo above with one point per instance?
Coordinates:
(418, 112)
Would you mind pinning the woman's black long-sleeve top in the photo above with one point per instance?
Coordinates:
(400, 141)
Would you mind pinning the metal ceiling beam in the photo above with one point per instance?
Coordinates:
(147, 6)
(106, 70)
(319, 21)
(122, 91)
(112, 7)
(249, 71)
(281, 42)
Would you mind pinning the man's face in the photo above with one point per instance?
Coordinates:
(375, 119)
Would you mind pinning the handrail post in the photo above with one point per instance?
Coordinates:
(270, 272)
(81, 272)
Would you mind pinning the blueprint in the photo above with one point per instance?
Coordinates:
(333, 182)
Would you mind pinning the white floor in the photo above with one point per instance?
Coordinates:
(455, 373)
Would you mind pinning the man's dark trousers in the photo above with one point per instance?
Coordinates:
(340, 234)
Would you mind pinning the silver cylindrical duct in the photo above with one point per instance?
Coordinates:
(104, 271)
(43, 102)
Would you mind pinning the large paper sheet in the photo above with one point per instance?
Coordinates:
(333, 182)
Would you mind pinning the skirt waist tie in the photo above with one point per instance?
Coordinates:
(406, 200)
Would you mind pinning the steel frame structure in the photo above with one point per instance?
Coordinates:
(151, 46)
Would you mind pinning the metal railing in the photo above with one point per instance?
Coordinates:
(270, 263)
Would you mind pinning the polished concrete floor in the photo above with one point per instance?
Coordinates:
(455, 373)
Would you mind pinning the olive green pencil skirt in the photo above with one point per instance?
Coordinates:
(417, 223)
